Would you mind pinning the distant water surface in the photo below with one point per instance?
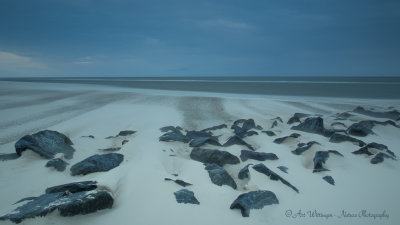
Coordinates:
(350, 87)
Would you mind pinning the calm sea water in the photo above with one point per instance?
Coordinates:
(351, 87)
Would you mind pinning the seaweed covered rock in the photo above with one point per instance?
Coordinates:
(67, 199)
(260, 156)
(97, 163)
(219, 176)
(186, 196)
(213, 156)
(46, 143)
(254, 200)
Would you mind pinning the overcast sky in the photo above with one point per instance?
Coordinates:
(199, 38)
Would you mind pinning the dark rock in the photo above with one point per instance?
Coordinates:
(260, 156)
(174, 136)
(244, 130)
(283, 169)
(58, 164)
(67, 203)
(248, 124)
(197, 142)
(274, 124)
(313, 125)
(89, 136)
(296, 118)
(97, 163)
(73, 187)
(320, 158)
(11, 156)
(213, 156)
(25, 199)
(124, 142)
(343, 116)
(302, 148)
(378, 158)
(363, 150)
(393, 115)
(363, 128)
(236, 140)
(171, 128)
(219, 176)
(250, 133)
(378, 146)
(46, 143)
(125, 133)
(261, 168)
(338, 138)
(283, 139)
(244, 172)
(193, 134)
(269, 133)
(254, 200)
(186, 196)
(222, 126)
(110, 149)
(338, 124)
(329, 179)
(278, 119)
(179, 182)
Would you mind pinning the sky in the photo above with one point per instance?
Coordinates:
(83, 38)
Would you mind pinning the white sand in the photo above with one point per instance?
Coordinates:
(141, 194)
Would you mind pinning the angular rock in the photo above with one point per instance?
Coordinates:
(274, 124)
(11, 156)
(335, 152)
(343, 116)
(278, 119)
(313, 125)
(296, 118)
(260, 156)
(378, 158)
(254, 200)
(378, 146)
(364, 128)
(302, 148)
(186, 196)
(57, 164)
(283, 168)
(261, 168)
(97, 163)
(329, 179)
(243, 131)
(219, 176)
(269, 133)
(124, 142)
(283, 139)
(213, 156)
(244, 172)
(393, 115)
(171, 128)
(125, 133)
(236, 140)
(218, 127)
(338, 138)
(67, 203)
(46, 143)
(179, 182)
(197, 142)
(363, 150)
(73, 187)
(320, 158)
(174, 136)
(110, 149)
(193, 134)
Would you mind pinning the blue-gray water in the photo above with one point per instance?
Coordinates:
(351, 87)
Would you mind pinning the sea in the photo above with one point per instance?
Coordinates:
(346, 87)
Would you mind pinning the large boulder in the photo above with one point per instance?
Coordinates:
(69, 201)
(46, 143)
(260, 156)
(313, 125)
(186, 196)
(97, 163)
(254, 200)
(219, 176)
(213, 156)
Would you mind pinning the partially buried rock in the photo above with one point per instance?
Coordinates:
(260, 156)
(46, 143)
(213, 156)
(283, 139)
(283, 168)
(110, 149)
(313, 125)
(254, 200)
(329, 179)
(179, 182)
(244, 172)
(197, 142)
(236, 140)
(364, 128)
(261, 168)
(174, 136)
(57, 164)
(302, 148)
(296, 118)
(222, 126)
(97, 163)
(186, 196)
(125, 133)
(219, 176)
(320, 158)
(10, 156)
(393, 115)
(338, 138)
(73, 187)
(269, 133)
(69, 202)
